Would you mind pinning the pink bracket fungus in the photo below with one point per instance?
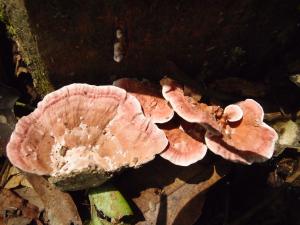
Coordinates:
(81, 134)
(149, 96)
(188, 108)
(186, 144)
(233, 113)
(246, 141)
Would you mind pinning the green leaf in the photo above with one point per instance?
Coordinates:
(95, 220)
(110, 202)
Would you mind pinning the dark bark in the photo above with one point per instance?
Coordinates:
(72, 41)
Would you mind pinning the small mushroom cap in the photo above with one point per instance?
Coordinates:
(184, 149)
(186, 107)
(80, 127)
(233, 113)
(150, 98)
(246, 141)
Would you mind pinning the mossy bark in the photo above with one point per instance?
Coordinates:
(14, 14)
(80, 180)
(68, 41)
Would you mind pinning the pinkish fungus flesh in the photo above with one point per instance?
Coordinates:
(247, 140)
(233, 113)
(81, 134)
(153, 104)
(187, 107)
(186, 144)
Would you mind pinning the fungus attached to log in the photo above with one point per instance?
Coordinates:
(81, 134)
(246, 141)
(186, 144)
(149, 95)
(188, 108)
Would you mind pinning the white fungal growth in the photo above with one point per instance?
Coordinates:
(233, 113)
(119, 46)
(65, 159)
(83, 126)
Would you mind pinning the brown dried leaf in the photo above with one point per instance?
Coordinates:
(13, 171)
(14, 181)
(168, 194)
(287, 170)
(294, 176)
(17, 221)
(13, 208)
(31, 196)
(12, 178)
(25, 182)
(59, 206)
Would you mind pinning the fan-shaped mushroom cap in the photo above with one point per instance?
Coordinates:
(186, 144)
(84, 129)
(246, 141)
(186, 107)
(233, 113)
(149, 95)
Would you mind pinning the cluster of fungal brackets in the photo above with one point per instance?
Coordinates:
(90, 131)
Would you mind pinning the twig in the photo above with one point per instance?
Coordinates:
(280, 115)
(23, 105)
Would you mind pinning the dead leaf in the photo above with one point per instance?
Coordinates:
(13, 171)
(168, 194)
(289, 134)
(286, 170)
(25, 182)
(31, 196)
(14, 181)
(59, 206)
(13, 208)
(13, 178)
(18, 221)
(293, 177)
(295, 79)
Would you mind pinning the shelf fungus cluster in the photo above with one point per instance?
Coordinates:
(236, 133)
(80, 135)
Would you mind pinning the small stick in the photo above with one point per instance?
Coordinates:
(280, 115)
